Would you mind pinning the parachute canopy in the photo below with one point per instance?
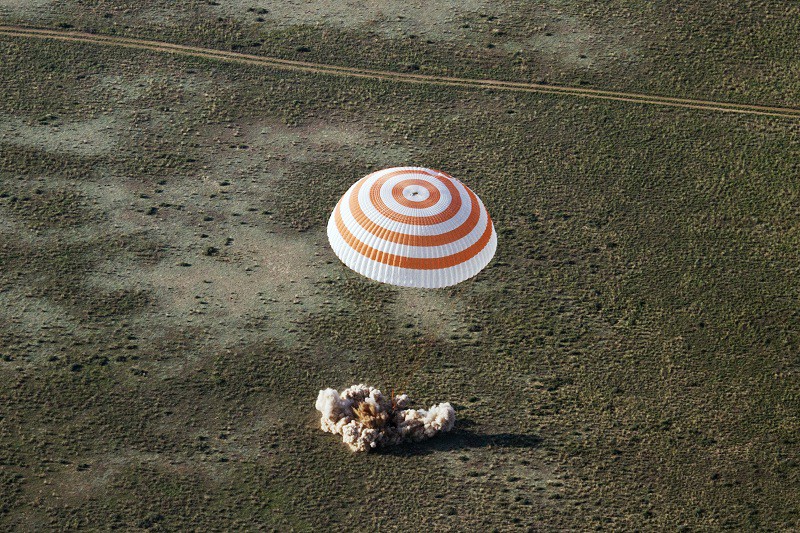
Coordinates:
(413, 227)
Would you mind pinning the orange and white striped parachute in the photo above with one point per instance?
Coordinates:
(412, 227)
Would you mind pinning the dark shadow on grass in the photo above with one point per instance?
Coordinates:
(461, 439)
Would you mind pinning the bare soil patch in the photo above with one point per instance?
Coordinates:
(22, 6)
(566, 41)
(50, 133)
(393, 18)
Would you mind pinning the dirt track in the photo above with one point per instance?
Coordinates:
(208, 53)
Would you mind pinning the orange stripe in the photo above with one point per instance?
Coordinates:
(415, 263)
(399, 197)
(417, 240)
(383, 209)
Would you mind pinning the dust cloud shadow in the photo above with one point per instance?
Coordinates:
(461, 438)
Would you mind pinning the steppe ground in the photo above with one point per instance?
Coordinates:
(169, 306)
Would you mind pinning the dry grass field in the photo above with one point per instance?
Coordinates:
(170, 307)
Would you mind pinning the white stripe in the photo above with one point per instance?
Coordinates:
(407, 250)
(445, 198)
(405, 276)
(415, 193)
(433, 229)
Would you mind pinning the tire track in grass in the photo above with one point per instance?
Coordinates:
(400, 77)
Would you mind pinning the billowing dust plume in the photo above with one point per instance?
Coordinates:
(366, 419)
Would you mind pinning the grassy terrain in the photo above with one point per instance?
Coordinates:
(724, 50)
(170, 307)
